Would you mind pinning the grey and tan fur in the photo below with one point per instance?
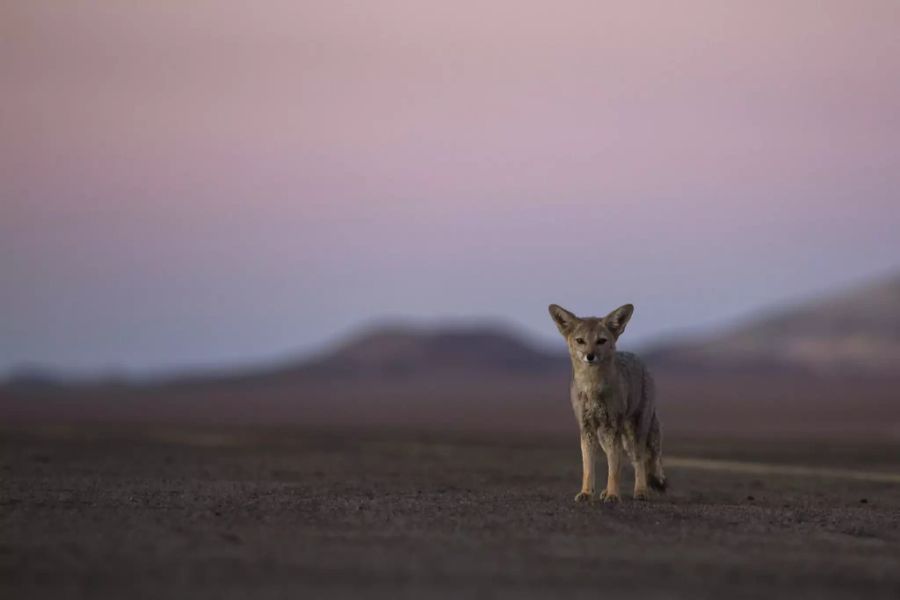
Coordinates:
(613, 397)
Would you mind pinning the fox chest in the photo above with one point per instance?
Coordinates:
(593, 412)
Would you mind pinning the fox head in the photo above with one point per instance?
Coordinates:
(591, 340)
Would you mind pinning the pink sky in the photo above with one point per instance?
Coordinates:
(208, 182)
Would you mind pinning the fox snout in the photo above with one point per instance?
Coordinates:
(590, 357)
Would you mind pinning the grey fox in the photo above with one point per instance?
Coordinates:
(614, 401)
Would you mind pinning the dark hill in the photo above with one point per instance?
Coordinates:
(855, 333)
(404, 351)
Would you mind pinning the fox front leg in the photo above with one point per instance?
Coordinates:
(613, 457)
(588, 464)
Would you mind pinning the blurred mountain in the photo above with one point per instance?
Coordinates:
(853, 333)
(462, 377)
(826, 367)
(400, 351)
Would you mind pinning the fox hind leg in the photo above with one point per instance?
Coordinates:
(641, 478)
(639, 454)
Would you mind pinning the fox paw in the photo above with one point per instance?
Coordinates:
(584, 497)
(605, 496)
(642, 495)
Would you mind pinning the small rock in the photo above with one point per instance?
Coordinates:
(751, 498)
(863, 501)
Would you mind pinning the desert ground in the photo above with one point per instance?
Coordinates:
(163, 512)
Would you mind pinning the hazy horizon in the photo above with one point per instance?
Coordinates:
(545, 341)
(201, 184)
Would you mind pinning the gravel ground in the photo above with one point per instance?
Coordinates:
(203, 513)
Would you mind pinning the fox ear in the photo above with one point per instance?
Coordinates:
(618, 319)
(564, 320)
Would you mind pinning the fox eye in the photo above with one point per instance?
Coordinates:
(580, 341)
(601, 341)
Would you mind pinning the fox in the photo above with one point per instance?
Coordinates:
(613, 397)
